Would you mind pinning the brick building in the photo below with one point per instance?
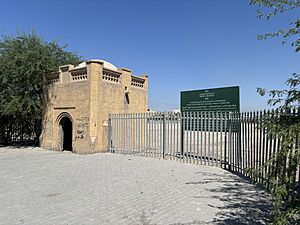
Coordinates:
(78, 100)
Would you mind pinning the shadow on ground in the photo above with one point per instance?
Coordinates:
(242, 202)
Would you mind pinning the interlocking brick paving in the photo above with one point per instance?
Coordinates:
(46, 187)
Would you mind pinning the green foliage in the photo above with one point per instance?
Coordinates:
(288, 98)
(285, 126)
(285, 123)
(271, 8)
(24, 60)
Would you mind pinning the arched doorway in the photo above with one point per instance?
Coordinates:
(65, 133)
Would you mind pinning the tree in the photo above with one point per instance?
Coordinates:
(285, 125)
(24, 61)
(270, 8)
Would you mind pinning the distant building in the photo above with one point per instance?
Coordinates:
(78, 100)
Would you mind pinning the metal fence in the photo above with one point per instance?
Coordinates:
(253, 147)
(234, 141)
(12, 132)
(194, 137)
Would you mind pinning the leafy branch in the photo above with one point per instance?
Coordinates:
(272, 8)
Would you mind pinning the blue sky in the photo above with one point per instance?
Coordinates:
(181, 45)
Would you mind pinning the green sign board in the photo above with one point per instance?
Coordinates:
(225, 99)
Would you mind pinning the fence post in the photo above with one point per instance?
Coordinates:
(182, 135)
(164, 133)
(239, 147)
(109, 130)
(229, 141)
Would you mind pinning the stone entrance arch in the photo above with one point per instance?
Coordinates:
(65, 132)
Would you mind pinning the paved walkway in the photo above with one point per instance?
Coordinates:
(46, 187)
